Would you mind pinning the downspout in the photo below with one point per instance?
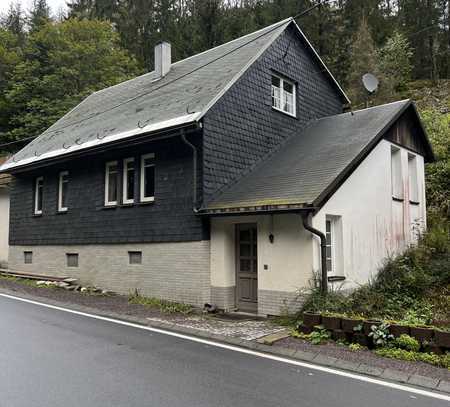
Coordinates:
(196, 207)
(323, 251)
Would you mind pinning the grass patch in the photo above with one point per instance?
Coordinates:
(24, 281)
(411, 356)
(168, 307)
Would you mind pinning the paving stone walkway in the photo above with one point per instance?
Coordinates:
(248, 330)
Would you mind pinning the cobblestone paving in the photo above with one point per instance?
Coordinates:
(245, 329)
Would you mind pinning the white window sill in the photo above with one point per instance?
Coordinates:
(283, 111)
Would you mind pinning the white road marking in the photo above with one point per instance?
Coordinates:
(242, 350)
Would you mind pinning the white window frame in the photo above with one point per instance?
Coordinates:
(281, 89)
(36, 195)
(125, 180)
(336, 246)
(108, 165)
(332, 246)
(396, 173)
(413, 179)
(142, 178)
(60, 191)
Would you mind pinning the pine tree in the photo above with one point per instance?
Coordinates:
(363, 56)
(39, 15)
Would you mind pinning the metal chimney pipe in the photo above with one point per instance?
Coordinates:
(163, 58)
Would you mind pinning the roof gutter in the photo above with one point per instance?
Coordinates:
(323, 251)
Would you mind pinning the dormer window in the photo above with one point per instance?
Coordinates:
(283, 95)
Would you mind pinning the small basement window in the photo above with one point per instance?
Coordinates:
(38, 195)
(283, 95)
(111, 183)
(62, 191)
(147, 178)
(128, 181)
(28, 257)
(72, 259)
(135, 257)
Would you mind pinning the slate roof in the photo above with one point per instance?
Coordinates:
(310, 163)
(148, 103)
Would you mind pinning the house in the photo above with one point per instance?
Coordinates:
(4, 216)
(230, 177)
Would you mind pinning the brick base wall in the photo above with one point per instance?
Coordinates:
(278, 302)
(224, 297)
(173, 271)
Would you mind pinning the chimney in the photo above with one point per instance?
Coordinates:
(163, 58)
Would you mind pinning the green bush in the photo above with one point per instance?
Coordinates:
(408, 343)
(413, 287)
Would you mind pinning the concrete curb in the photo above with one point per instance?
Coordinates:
(387, 374)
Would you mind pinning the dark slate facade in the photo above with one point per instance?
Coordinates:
(242, 128)
(239, 131)
(170, 218)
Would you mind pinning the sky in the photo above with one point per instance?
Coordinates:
(26, 4)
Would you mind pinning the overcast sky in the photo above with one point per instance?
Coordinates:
(55, 5)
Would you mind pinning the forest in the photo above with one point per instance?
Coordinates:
(50, 62)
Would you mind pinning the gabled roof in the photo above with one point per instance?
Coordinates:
(311, 165)
(147, 103)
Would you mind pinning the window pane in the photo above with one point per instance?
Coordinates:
(244, 235)
(64, 189)
(130, 181)
(149, 181)
(288, 103)
(328, 226)
(329, 266)
(276, 97)
(246, 265)
(39, 194)
(288, 87)
(276, 81)
(245, 250)
(112, 185)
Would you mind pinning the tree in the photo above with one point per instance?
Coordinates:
(395, 61)
(63, 63)
(363, 57)
(39, 15)
(14, 21)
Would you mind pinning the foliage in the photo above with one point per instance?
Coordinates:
(409, 287)
(394, 60)
(438, 173)
(380, 335)
(356, 347)
(164, 306)
(62, 64)
(317, 337)
(407, 342)
(431, 358)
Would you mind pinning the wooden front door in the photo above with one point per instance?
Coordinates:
(246, 267)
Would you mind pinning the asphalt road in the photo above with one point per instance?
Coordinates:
(53, 358)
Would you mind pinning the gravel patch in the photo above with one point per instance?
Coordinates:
(368, 358)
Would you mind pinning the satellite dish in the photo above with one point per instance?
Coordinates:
(370, 82)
